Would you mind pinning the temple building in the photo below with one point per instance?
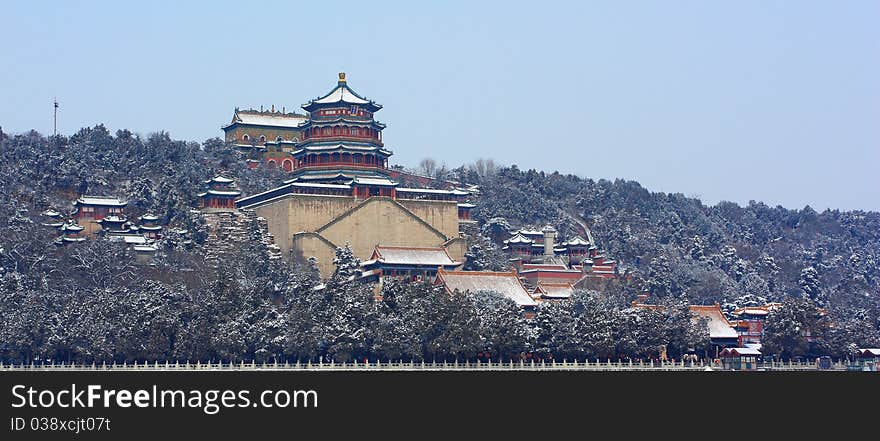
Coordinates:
(414, 263)
(721, 331)
(527, 246)
(70, 233)
(749, 323)
(553, 291)
(114, 224)
(341, 190)
(149, 226)
(538, 258)
(103, 216)
(51, 218)
(220, 194)
(253, 129)
(504, 283)
(90, 210)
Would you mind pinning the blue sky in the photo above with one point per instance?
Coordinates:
(775, 101)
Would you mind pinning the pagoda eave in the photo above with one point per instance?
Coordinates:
(313, 106)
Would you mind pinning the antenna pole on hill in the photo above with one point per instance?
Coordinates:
(55, 126)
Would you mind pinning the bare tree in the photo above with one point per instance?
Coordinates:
(484, 167)
(428, 167)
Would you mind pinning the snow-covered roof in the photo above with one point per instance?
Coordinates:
(341, 94)
(129, 239)
(544, 266)
(51, 213)
(72, 227)
(322, 176)
(145, 248)
(113, 219)
(454, 192)
(719, 327)
(374, 181)
(220, 180)
(419, 256)
(220, 193)
(504, 283)
(740, 351)
(555, 290)
(530, 232)
(518, 238)
(100, 200)
(466, 205)
(149, 217)
(289, 120)
(576, 241)
(319, 185)
(875, 352)
(549, 271)
(338, 146)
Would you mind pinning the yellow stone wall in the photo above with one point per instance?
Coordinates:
(456, 248)
(313, 245)
(271, 133)
(442, 215)
(381, 221)
(312, 225)
(301, 212)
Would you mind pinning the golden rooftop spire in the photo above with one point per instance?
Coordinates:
(341, 77)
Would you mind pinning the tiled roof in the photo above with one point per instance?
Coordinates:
(518, 238)
(555, 290)
(421, 256)
(101, 201)
(718, 325)
(504, 283)
(740, 351)
(269, 119)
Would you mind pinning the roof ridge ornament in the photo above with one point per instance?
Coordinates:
(341, 78)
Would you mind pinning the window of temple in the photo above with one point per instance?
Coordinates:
(287, 165)
(354, 131)
(262, 138)
(279, 139)
(246, 137)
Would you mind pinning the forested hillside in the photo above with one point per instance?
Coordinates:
(95, 302)
(677, 245)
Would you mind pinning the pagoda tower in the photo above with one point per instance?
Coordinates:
(342, 143)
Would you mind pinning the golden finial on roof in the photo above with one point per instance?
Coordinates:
(341, 77)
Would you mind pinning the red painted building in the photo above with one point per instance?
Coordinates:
(90, 210)
(341, 153)
(221, 194)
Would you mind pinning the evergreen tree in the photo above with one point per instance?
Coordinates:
(504, 332)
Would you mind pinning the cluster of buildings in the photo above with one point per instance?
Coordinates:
(538, 257)
(722, 333)
(341, 190)
(104, 216)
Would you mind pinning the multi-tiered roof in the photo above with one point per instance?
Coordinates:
(342, 154)
(341, 140)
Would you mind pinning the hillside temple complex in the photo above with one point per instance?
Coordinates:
(341, 189)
